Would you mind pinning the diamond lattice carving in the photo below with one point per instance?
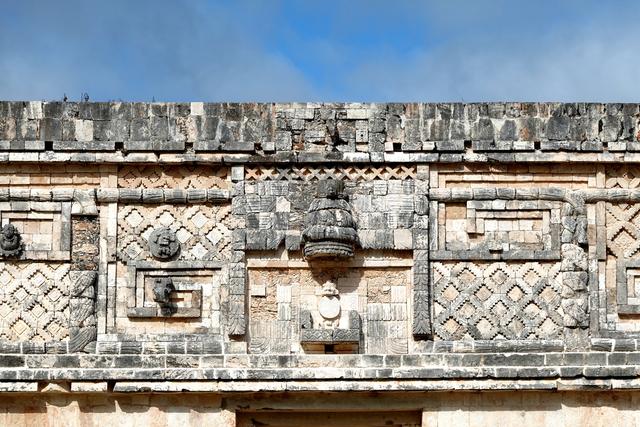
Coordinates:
(305, 173)
(204, 231)
(623, 229)
(623, 176)
(173, 177)
(497, 300)
(34, 302)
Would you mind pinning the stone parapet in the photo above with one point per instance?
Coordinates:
(115, 132)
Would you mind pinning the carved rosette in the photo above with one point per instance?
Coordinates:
(330, 230)
(82, 315)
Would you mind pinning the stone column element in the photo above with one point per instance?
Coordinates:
(575, 295)
(83, 275)
(236, 319)
(422, 327)
(82, 314)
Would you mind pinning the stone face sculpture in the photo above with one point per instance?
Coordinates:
(329, 304)
(330, 310)
(162, 289)
(11, 244)
(330, 230)
(163, 243)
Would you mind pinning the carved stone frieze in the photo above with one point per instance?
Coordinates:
(192, 232)
(489, 301)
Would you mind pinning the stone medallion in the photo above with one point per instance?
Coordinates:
(329, 307)
(163, 243)
(329, 303)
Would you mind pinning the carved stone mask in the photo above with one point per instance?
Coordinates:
(163, 243)
(10, 241)
(162, 289)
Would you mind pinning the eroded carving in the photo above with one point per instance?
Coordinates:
(11, 244)
(162, 289)
(574, 266)
(82, 319)
(163, 243)
(349, 335)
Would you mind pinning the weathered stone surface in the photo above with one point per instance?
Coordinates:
(303, 247)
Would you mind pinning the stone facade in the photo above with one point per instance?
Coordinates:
(269, 260)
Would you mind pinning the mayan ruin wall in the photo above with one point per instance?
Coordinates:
(351, 265)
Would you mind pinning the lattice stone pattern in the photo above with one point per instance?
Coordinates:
(203, 231)
(475, 300)
(34, 301)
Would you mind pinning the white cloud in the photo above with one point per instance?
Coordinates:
(597, 62)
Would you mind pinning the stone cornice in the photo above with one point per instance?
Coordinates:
(117, 132)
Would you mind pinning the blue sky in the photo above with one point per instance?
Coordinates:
(319, 50)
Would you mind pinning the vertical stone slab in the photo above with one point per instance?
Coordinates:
(83, 275)
(422, 327)
(574, 267)
(236, 285)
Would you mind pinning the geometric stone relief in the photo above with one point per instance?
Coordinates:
(44, 228)
(282, 300)
(316, 173)
(623, 229)
(622, 176)
(183, 177)
(511, 176)
(176, 296)
(34, 301)
(501, 225)
(202, 231)
(628, 286)
(491, 301)
(169, 289)
(623, 249)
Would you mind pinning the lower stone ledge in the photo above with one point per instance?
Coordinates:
(513, 373)
(228, 387)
